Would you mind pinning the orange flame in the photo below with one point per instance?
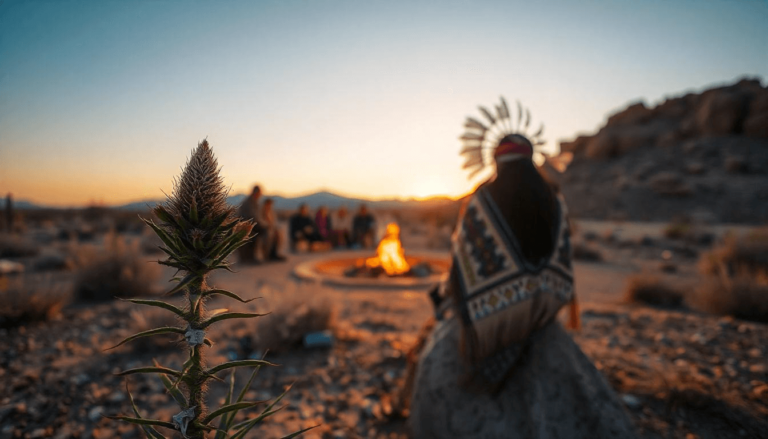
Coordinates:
(390, 254)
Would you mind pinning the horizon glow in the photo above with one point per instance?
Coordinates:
(102, 102)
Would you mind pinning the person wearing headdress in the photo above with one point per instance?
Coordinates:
(497, 363)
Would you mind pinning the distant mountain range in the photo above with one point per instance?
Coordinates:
(315, 200)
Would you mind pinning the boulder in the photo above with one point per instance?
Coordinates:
(669, 184)
(636, 113)
(720, 113)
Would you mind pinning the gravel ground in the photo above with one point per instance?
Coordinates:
(680, 374)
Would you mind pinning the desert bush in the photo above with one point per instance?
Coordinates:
(294, 313)
(736, 281)
(585, 252)
(117, 271)
(652, 290)
(744, 296)
(26, 299)
(747, 255)
(678, 230)
(16, 246)
(199, 231)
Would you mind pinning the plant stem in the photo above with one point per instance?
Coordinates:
(195, 375)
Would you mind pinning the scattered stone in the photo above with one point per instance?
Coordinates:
(631, 401)
(95, 413)
(319, 339)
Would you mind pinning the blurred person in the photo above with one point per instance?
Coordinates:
(302, 229)
(323, 223)
(497, 363)
(363, 228)
(272, 237)
(249, 210)
(342, 226)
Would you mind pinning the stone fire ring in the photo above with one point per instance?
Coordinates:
(329, 270)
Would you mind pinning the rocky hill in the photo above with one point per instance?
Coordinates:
(699, 156)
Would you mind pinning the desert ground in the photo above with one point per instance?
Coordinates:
(680, 371)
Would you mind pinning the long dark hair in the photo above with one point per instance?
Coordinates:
(529, 204)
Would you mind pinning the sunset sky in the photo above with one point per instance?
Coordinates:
(102, 101)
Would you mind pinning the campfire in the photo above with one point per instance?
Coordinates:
(390, 255)
(390, 260)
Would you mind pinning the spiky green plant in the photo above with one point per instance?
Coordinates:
(199, 230)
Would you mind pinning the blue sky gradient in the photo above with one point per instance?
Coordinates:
(103, 100)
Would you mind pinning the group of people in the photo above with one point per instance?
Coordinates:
(326, 230)
(266, 243)
(305, 233)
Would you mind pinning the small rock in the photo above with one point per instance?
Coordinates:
(95, 413)
(319, 339)
(631, 401)
(38, 433)
(757, 368)
(117, 397)
(80, 379)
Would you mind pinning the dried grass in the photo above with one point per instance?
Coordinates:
(16, 246)
(736, 277)
(294, 312)
(120, 270)
(652, 290)
(26, 299)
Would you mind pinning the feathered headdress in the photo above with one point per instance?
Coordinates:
(506, 139)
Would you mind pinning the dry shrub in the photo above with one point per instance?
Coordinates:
(294, 312)
(585, 252)
(743, 296)
(144, 319)
(747, 254)
(651, 290)
(119, 270)
(678, 230)
(25, 300)
(736, 280)
(16, 246)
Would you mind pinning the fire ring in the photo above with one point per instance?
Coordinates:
(333, 270)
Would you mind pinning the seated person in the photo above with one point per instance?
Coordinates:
(323, 223)
(302, 229)
(363, 228)
(249, 210)
(342, 225)
(272, 238)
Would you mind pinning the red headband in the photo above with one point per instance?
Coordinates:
(512, 148)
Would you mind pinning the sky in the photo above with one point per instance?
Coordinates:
(102, 101)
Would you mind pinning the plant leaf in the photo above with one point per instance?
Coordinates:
(150, 369)
(228, 294)
(243, 391)
(248, 424)
(167, 240)
(188, 279)
(292, 435)
(230, 315)
(159, 304)
(238, 363)
(223, 421)
(174, 391)
(149, 431)
(163, 330)
(142, 421)
(228, 408)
